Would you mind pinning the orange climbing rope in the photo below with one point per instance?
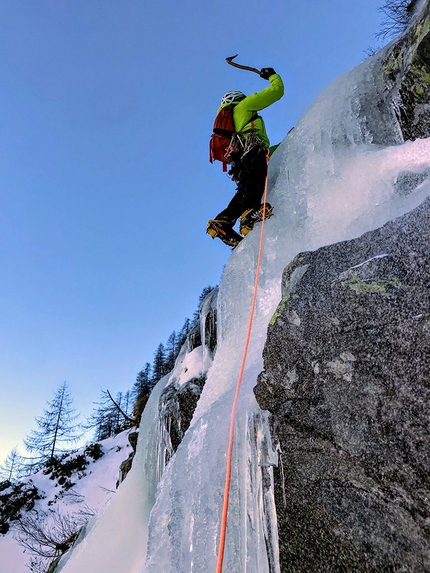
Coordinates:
(223, 528)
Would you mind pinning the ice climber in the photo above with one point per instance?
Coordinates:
(240, 140)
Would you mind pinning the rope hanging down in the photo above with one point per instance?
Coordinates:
(223, 527)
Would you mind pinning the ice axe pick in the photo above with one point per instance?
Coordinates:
(240, 66)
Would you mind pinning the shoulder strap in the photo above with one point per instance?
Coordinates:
(251, 122)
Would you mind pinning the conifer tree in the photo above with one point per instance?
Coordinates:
(106, 419)
(143, 384)
(99, 419)
(116, 414)
(172, 350)
(57, 429)
(12, 467)
(159, 364)
(196, 316)
(126, 400)
(141, 391)
(184, 332)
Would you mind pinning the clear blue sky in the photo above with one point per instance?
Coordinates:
(106, 109)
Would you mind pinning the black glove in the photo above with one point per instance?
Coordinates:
(266, 73)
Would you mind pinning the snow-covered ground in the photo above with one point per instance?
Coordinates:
(91, 492)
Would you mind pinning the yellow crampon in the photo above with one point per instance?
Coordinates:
(243, 227)
(210, 231)
(224, 231)
(250, 217)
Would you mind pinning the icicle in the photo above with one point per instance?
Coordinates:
(208, 326)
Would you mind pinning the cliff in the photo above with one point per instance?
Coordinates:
(347, 381)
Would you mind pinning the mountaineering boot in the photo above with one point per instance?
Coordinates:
(252, 216)
(224, 231)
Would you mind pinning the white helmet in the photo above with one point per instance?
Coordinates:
(230, 97)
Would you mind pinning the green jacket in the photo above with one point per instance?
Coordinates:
(245, 109)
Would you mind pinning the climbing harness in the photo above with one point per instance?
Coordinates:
(223, 526)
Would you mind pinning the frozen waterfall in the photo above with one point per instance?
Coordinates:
(332, 179)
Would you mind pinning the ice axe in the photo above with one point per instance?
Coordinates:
(240, 66)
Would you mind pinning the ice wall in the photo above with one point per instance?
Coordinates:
(329, 181)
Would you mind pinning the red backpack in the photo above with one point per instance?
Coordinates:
(223, 131)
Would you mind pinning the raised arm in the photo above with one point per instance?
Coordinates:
(266, 97)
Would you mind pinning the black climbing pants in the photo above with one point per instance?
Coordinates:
(249, 191)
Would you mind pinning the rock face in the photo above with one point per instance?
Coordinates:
(406, 75)
(400, 87)
(125, 467)
(177, 405)
(347, 379)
